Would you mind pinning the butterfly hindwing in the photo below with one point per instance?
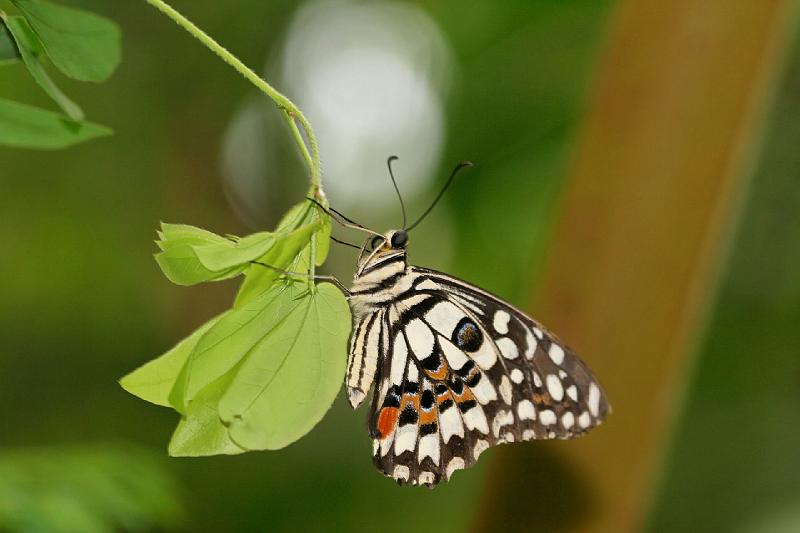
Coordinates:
(462, 371)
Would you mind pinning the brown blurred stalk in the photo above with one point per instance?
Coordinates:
(660, 165)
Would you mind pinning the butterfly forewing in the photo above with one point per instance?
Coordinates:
(456, 371)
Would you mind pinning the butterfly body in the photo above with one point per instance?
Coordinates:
(454, 370)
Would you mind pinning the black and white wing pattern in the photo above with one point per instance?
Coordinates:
(456, 371)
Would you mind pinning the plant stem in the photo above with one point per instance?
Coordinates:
(292, 114)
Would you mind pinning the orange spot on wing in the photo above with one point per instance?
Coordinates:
(387, 419)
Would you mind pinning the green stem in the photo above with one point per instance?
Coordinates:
(291, 112)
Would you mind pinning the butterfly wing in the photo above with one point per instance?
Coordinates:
(464, 371)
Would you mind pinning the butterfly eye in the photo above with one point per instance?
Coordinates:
(376, 242)
(399, 239)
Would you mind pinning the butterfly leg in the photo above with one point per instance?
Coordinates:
(306, 275)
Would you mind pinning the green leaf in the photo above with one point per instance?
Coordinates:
(221, 256)
(282, 256)
(154, 380)
(8, 50)
(24, 126)
(225, 344)
(291, 377)
(80, 44)
(172, 234)
(201, 432)
(31, 49)
(178, 259)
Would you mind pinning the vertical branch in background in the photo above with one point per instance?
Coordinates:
(651, 196)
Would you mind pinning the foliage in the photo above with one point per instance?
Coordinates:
(262, 374)
(79, 44)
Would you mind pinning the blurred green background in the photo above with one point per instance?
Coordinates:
(505, 84)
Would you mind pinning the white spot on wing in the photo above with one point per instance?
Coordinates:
(476, 419)
(508, 348)
(572, 392)
(567, 420)
(500, 322)
(426, 478)
(480, 447)
(505, 389)
(528, 434)
(594, 399)
(485, 357)
(526, 411)
(484, 391)
(547, 417)
(399, 356)
(554, 387)
(456, 463)
(455, 357)
(556, 353)
(420, 338)
(406, 438)
(538, 333)
(429, 447)
(400, 472)
(450, 424)
(502, 418)
(517, 376)
(443, 317)
(537, 380)
(531, 343)
(584, 420)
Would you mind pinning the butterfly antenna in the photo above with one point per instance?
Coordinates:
(396, 188)
(351, 245)
(349, 222)
(462, 165)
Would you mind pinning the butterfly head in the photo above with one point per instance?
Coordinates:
(379, 248)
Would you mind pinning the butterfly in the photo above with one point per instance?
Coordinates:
(453, 369)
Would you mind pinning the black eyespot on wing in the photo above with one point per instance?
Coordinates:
(428, 429)
(377, 242)
(467, 335)
(408, 416)
(466, 369)
(399, 239)
(411, 387)
(426, 401)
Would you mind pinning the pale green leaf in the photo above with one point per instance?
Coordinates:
(24, 126)
(8, 49)
(178, 259)
(32, 52)
(281, 256)
(82, 45)
(154, 380)
(186, 234)
(201, 432)
(290, 378)
(181, 266)
(224, 345)
(221, 256)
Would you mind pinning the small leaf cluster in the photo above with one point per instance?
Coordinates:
(81, 45)
(262, 374)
